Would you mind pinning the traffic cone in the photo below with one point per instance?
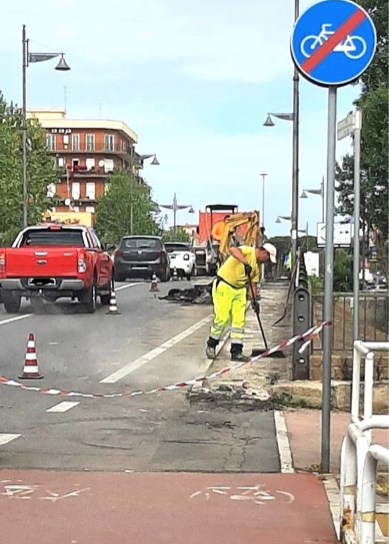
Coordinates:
(154, 284)
(30, 370)
(113, 305)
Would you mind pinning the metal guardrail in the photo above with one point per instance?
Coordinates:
(373, 316)
(302, 320)
(359, 458)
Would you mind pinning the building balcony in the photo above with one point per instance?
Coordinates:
(83, 171)
(115, 149)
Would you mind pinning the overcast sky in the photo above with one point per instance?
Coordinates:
(195, 80)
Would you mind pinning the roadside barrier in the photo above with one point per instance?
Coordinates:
(30, 370)
(307, 336)
(359, 458)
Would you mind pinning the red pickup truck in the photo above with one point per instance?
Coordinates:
(51, 261)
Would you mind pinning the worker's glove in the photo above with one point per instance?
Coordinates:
(255, 306)
(247, 269)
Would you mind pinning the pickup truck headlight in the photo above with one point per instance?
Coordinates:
(186, 257)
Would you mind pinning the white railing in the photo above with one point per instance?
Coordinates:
(359, 458)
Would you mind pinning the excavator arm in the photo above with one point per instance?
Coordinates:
(250, 238)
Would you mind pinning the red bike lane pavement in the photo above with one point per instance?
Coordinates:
(158, 508)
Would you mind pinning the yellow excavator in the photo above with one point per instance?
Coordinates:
(240, 229)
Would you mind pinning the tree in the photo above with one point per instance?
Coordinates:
(41, 173)
(179, 236)
(373, 103)
(113, 217)
(343, 271)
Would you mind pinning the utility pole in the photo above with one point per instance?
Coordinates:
(357, 205)
(295, 155)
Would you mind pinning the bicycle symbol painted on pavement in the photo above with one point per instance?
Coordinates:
(354, 47)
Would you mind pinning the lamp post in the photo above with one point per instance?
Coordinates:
(263, 174)
(175, 207)
(294, 117)
(27, 59)
(316, 192)
(141, 159)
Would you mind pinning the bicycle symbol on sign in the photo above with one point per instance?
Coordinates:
(354, 47)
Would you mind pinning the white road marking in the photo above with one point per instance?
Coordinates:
(62, 407)
(138, 363)
(128, 285)
(283, 443)
(6, 438)
(12, 319)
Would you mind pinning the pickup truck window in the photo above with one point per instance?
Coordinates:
(46, 237)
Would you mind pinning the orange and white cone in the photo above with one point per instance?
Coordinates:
(113, 305)
(175, 274)
(30, 370)
(154, 284)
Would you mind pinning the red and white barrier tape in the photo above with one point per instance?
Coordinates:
(307, 336)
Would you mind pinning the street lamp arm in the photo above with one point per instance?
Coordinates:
(283, 116)
(42, 57)
(313, 191)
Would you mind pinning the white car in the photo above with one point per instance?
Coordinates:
(181, 258)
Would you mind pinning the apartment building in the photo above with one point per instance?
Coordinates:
(86, 151)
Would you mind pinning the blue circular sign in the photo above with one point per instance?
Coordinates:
(333, 42)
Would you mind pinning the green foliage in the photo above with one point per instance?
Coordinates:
(40, 172)
(316, 285)
(113, 217)
(373, 103)
(179, 236)
(343, 271)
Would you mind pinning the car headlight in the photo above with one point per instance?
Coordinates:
(186, 257)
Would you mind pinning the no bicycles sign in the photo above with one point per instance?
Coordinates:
(333, 42)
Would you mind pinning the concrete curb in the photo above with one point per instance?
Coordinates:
(308, 394)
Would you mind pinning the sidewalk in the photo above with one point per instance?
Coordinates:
(304, 434)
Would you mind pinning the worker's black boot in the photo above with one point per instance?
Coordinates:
(210, 350)
(237, 354)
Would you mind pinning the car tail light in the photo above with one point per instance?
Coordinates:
(118, 253)
(2, 263)
(82, 263)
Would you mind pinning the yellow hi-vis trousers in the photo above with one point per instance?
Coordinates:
(229, 305)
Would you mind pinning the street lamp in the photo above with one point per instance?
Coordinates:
(294, 117)
(282, 218)
(316, 192)
(154, 162)
(27, 59)
(175, 207)
(263, 174)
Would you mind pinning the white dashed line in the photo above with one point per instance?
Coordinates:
(285, 454)
(6, 438)
(131, 367)
(62, 407)
(128, 285)
(12, 319)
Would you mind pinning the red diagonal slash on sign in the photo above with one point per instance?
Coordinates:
(343, 31)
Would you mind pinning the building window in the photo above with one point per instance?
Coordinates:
(90, 164)
(61, 162)
(50, 141)
(108, 165)
(109, 142)
(91, 190)
(76, 190)
(90, 142)
(76, 142)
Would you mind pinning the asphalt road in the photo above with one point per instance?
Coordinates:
(150, 344)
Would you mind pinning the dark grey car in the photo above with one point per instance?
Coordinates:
(141, 256)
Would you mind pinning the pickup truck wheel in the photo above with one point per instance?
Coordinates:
(106, 299)
(88, 299)
(11, 303)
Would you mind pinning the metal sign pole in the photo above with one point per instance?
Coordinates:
(328, 281)
(357, 204)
